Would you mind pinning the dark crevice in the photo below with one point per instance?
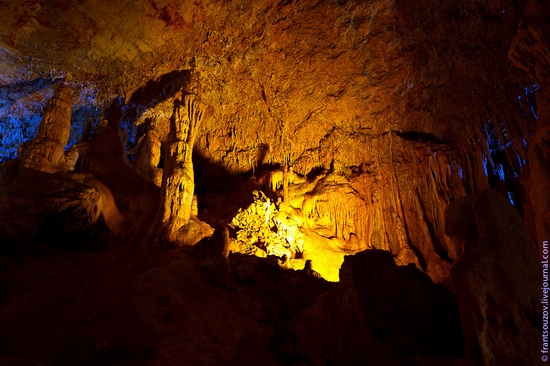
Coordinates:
(420, 137)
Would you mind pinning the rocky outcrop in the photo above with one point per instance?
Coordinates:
(372, 316)
(496, 281)
(69, 211)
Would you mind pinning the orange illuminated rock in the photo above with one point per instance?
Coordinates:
(178, 181)
(148, 158)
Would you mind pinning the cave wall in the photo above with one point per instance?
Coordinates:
(529, 51)
(417, 102)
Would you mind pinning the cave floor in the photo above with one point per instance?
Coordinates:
(97, 308)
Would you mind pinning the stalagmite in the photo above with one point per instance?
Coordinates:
(46, 151)
(148, 158)
(178, 183)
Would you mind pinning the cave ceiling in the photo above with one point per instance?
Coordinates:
(300, 82)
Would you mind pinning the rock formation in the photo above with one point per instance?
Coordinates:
(178, 180)
(46, 152)
(368, 125)
(356, 323)
(387, 93)
(496, 281)
(105, 158)
(148, 158)
(530, 51)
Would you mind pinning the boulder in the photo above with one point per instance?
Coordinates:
(381, 314)
(496, 281)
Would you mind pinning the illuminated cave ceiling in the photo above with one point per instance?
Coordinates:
(314, 80)
(416, 101)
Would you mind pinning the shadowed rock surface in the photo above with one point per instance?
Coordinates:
(497, 281)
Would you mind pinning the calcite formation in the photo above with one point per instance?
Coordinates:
(46, 152)
(386, 92)
(148, 158)
(263, 229)
(178, 181)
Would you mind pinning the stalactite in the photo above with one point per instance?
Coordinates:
(337, 206)
(307, 162)
(517, 138)
(479, 171)
(406, 251)
(503, 142)
(286, 196)
(524, 117)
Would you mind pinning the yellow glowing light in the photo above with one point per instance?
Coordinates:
(264, 229)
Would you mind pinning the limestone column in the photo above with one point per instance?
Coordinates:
(178, 182)
(46, 152)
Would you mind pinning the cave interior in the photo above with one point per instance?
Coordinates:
(274, 182)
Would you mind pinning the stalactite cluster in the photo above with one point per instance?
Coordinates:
(386, 203)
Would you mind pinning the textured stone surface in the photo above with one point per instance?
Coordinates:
(369, 118)
(373, 316)
(178, 181)
(46, 151)
(148, 158)
(391, 92)
(530, 51)
(530, 47)
(68, 211)
(496, 282)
